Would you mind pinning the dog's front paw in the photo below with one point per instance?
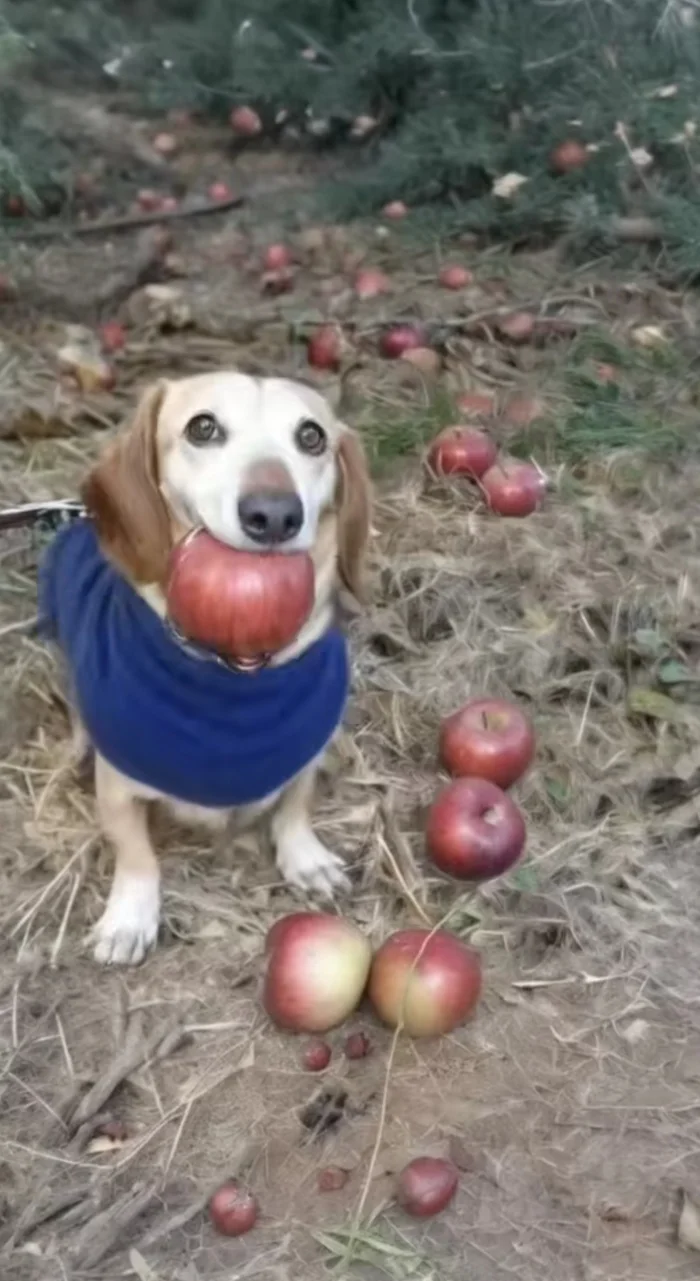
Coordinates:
(128, 927)
(306, 864)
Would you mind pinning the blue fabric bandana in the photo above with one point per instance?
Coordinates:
(182, 724)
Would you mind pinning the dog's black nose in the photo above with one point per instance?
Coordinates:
(270, 516)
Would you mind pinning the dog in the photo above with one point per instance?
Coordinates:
(261, 464)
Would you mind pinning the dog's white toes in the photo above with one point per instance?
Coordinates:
(309, 866)
(128, 927)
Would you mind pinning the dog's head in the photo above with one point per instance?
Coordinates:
(260, 463)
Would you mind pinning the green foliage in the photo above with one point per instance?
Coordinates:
(462, 92)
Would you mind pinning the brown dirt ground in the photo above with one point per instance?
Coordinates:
(571, 1101)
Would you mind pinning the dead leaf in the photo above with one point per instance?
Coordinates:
(81, 357)
(689, 1223)
(508, 185)
(138, 1264)
(649, 702)
(103, 1143)
(649, 336)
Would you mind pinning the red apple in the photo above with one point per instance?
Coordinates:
(277, 258)
(370, 282)
(332, 1179)
(245, 122)
(112, 335)
(219, 192)
(325, 347)
(522, 411)
(489, 738)
(394, 342)
(316, 971)
(461, 451)
(243, 604)
(517, 326)
(233, 1209)
(357, 1046)
(395, 210)
(424, 359)
(15, 206)
(569, 155)
(149, 201)
(513, 488)
(168, 204)
(426, 981)
(476, 404)
(165, 144)
(425, 1186)
(475, 831)
(455, 277)
(316, 1056)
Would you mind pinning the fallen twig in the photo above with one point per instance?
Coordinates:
(129, 222)
(103, 1231)
(136, 1051)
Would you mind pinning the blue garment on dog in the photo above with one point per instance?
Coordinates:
(182, 724)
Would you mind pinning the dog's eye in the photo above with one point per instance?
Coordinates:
(203, 429)
(310, 437)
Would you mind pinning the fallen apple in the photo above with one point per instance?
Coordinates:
(394, 342)
(455, 277)
(569, 155)
(513, 488)
(523, 411)
(239, 603)
(461, 451)
(165, 144)
(219, 192)
(476, 404)
(149, 201)
(316, 971)
(426, 1186)
(332, 1179)
(316, 1056)
(357, 1046)
(15, 206)
(112, 335)
(233, 1209)
(325, 347)
(277, 258)
(475, 831)
(424, 359)
(245, 122)
(489, 738)
(395, 210)
(370, 283)
(517, 326)
(425, 981)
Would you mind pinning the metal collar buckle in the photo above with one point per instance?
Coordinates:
(204, 655)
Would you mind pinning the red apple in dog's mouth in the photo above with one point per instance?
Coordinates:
(242, 604)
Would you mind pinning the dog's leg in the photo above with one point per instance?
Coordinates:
(129, 925)
(302, 859)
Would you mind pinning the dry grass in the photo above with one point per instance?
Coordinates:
(571, 1101)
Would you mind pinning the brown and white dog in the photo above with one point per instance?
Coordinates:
(257, 462)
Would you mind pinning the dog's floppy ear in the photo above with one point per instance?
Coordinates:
(122, 496)
(354, 508)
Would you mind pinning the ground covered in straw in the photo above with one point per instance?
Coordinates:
(570, 1103)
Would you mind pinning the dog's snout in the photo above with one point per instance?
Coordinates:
(270, 516)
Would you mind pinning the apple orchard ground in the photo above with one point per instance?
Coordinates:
(571, 1101)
